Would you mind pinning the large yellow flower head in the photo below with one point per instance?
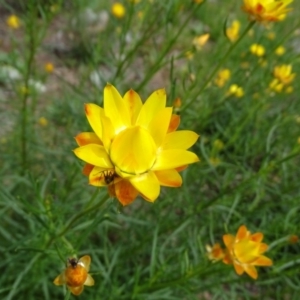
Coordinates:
(266, 10)
(135, 147)
(245, 251)
(76, 275)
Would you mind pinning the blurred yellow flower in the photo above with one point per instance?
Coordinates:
(257, 50)
(214, 161)
(236, 91)
(135, 147)
(198, 1)
(218, 144)
(293, 239)
(289, 89)
(271, 35)
(13, 22)
(280, 50)
(189, 54)
(222, 77)
(232, 32)
(215, 252)
(43, 121)
(266, 10)
(200, 41)
(245, 251)
(49, 67)
(283, 77)
(118, 10)
(76, 276)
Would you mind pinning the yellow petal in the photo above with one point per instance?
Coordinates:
(94, 155)
(238, 269)
(76, 290)
(93, 114)
(169, 178)
(257, 237)
(183, 139)
(134, 103)
(85, 138)
(133, 151)
(147, 184)
(60, 279)
(174, 123)
(89, 281)
(86, 260)
(228, 240)
(109, 132)
(242, 232)
(159, 125)
(125, 192)
(174, 158)
(263, 261)
(116, 108)
(251, 271)
(155, 103)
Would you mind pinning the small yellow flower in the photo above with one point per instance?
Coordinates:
(49, 67)
(118, 10)
(215, 252)
(245, 251)
(13, 22)
(198, 1)
(271, 35)
(236, 91)
(135, 147)
(289, 90)
(200, 41)
(218, 144)
(232, 32)
(222, 77)
(266, 10)
(43, 122)
(214, 161)
(189, 54)
(293, 239)
(284, 74)
(280, 51)
(76, 275)
(257, 50)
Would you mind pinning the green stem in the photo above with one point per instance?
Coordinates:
(220, 63)
(68, 294)
(156, 66)
(31, 31)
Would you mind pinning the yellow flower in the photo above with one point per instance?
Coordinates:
(118, 10)
(257, 50)
(214, 161)
(266, 10)
(135, 147)
(13, 22)
(236, 91)
(222, 77)
(215, 252)
(232, 32)
(43, 121)
(200, 41)
(293, 239)
(280, 51)
(75, 275)
(245, 251)
(284, 74)
(189, 54)
(49, 68)
(218, 144)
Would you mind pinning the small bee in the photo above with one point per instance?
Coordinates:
(73, 262)
(109, 176)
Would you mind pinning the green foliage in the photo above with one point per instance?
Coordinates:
(249, 149)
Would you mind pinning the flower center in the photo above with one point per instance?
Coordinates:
(133, 151)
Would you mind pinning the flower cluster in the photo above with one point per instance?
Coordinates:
(135, 147)
(283, 77)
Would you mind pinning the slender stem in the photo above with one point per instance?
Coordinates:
(30, 28)
(220, 63)
(68, 294)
